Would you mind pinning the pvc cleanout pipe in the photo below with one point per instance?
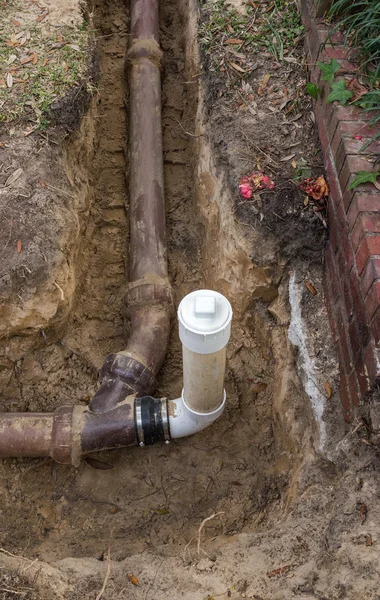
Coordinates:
(204, 329)
(149, 297)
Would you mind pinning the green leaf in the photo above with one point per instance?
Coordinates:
(329, 69)
(313, 90)
(339, 92)
(364, 177)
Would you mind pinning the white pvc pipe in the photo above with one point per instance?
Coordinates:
(204, 329)
(183, 421)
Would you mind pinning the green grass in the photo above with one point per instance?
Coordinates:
(60, 62)
(276, 30)
(360, 21)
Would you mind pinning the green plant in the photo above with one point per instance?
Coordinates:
(360, 22)
(313, 90)
(364, 177)
(339, 92)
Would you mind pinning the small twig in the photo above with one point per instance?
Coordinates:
(201, 527)
(60, 289)
(51, 187)
(108, 571)
(154, 580)
(2, 550)
(184, 130)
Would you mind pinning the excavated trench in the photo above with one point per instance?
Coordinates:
(245, 466)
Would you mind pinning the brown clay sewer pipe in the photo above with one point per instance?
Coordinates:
(109, 420)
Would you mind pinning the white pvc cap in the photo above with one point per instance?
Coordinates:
(204, 321)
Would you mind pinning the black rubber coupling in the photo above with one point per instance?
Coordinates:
(151, 421)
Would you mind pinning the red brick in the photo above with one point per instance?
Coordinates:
(354, 390)
(370, 274)
(346, 66)
(362, 203)
(343, 235)
(351, 166)
(328, 296)
(372, 363)
(343, 280)
(333, 225)
(353, 146)
(375, 326)
(351, 113)
(338, 52)
(359, 312)
(325, 142)
(369, 245)
(333, 282)
(366, 223)
(372, 300)
(332, 179)
(353, 128)
(355, 344)
(344, 343)
(317, 38)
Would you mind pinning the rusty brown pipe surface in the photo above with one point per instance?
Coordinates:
(109, 420)
(149, 297)
(68, 433)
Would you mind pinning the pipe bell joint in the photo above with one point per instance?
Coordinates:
(204, 329)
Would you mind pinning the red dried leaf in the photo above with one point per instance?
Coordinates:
(19, 246)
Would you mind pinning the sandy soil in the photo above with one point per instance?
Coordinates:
(290, 490)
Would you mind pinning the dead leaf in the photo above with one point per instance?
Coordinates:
(161, 511)
(16, 23)
(280, 571)
(234, 41)
(26, 59)
(65, 67)
(133, 579)
(328, 389)
(9, 80)
(286, 158)
(11, 59)
(266, 78)
(42, 17)
(59, 38)
(363, 510)
(237, 67)
(34, 58)
(45, 62)
(97, 464)
(311, 288)
(294, 164)
(15, 175)
(19, 246)
(356, 88)
(369, 540)
(42, 184)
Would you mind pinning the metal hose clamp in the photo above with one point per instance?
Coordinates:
(165, 420)
(138, 423)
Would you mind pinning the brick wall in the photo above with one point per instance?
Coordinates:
(352, 255)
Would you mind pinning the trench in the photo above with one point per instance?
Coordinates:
(154, 499)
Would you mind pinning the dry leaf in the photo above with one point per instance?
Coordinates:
(42, 17)
(311, 288)
(286, 158)
(266, 78)
(45, 62)
(65, 67)
(15, 175)
(237, 68)
(294, 164)
(26, 59)
(9, 80)
(161, 511)
(235, 41)
(19, 246)
(34, 58)
(59, 38)
(11, 59)
(328, 389)
(42, 184)
(15, 23)
(133, 579)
